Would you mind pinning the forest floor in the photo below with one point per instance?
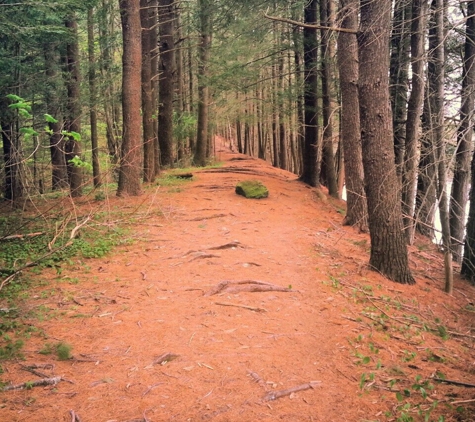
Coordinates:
(222, 308)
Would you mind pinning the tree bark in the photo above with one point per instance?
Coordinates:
(147, 104)
(59, 175)
(73, 117)
(202, 138)
(388, 243)
(96, 172)
(398, 68)
(311, 145)
(130, 160)
(356, 212)
(461, 180)
(414, 109)
(166, 16)
(328, 110)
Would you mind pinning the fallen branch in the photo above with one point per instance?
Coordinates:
(251, 308)
(258, 379)
(246, 286)
(463, 401)
(164, 358)
(274, 395)
(459, 383)
(30, 384)
(21, 236)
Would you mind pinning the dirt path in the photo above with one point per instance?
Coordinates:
(152, 343)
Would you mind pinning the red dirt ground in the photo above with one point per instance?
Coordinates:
(343, 332)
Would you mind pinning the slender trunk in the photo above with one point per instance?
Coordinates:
(96, 173)
(399, 67)
(147, 104)
(204, 48)
(167, 81)
(328, 101)
(311, 144)
(356, 212)
(73, 118)
(414, 109)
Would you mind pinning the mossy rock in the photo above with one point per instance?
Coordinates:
(252, 189)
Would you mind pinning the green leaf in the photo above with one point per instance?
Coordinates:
(28, 131)
(50, 119)
(399, 396)
(14, 97)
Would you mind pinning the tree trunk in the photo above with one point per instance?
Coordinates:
(328, 98)
(414, 109)
(399, 66)
(130, 160)
(73, 118)
(147, 104)
(59, 175)
(356, 212)
(202, 138)
(166, 81)
(96, 172)
(460, 185)
(388, 243)
(153, 39)
(311, 144)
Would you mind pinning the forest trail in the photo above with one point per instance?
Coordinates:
(151, 342)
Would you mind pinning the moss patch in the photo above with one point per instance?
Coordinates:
(252, 189)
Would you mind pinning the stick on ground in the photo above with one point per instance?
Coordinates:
(274, 395)
(31, 384)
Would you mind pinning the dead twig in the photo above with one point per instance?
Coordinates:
(21, 236)
(207, 218)
(274, 395)
(30, 384)
(74, 416)
(164, 358)
(251, 308)
(151, 388)
(459, 383)
(258, 379)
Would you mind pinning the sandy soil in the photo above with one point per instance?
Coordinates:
(154, 339)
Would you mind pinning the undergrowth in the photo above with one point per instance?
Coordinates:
(403, 380)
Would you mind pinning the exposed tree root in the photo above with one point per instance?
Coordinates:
(230, 245)
(30, 384)
(207, 218)
(245, 286)
(274, 395)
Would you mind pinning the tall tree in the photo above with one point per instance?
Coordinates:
(204, 48)
(328, 101)
(414, 109)
(166, 16)
(73, 115)
(147, 97)
(96, 172)
(53, 96)
(398, 69)
(311, 146)
(357, 212)
(388, 243)
(461, 179)
(131, 154)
